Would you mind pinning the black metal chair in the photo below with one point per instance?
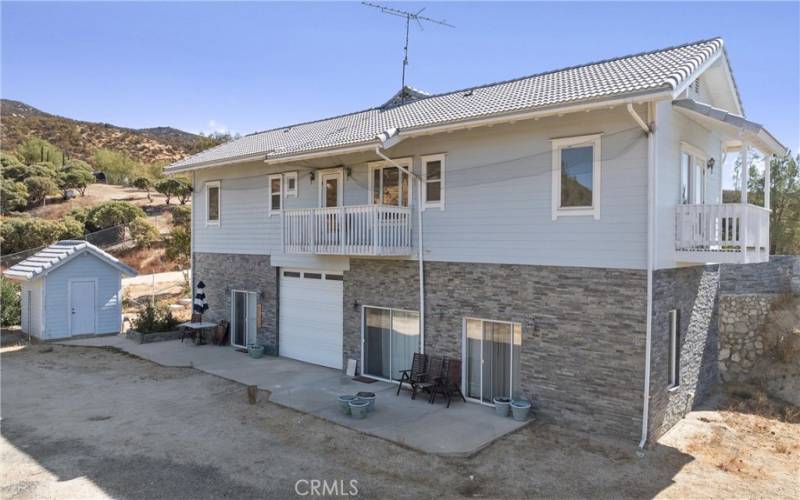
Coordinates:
(416, 375)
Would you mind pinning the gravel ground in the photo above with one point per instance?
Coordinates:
(96, 423)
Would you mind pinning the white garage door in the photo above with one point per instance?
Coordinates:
(311, 317)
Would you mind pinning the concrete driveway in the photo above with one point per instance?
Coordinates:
(460, 430)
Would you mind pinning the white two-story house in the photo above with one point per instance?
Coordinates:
(556, 232)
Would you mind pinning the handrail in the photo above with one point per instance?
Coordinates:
(350, 230)
(724, 227)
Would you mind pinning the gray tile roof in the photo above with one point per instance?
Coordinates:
(56, 255)
(630, 75)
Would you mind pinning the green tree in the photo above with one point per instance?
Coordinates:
(39, 188)
(77, 179)
(80, 214)
(179, 249)
(76, 164)
(174, 188)
(144, 184)
(784, 221)
(36, 150)
(9, 303)
(143, 232)
(8, 159)
(112, 213)
(13, 195)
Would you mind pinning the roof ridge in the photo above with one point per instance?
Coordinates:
(490, 84)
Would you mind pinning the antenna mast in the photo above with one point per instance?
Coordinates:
(408, 17)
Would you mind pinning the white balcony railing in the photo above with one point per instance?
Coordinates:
(354, 230)
(727, 227)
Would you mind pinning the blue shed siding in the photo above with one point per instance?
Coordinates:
(57, 307)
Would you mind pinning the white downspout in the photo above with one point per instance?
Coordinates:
(419, 241)
(650, 261)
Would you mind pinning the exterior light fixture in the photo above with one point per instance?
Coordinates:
(710, 164)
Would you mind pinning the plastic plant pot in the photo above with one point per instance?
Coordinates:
(255, 351)
(344, 403)
(501, 406)
(369, 397)
(359, 408)
(520, 410)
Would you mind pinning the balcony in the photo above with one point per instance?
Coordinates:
(726, 233)
(370, 230)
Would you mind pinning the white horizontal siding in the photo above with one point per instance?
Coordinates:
(57, 309)
(498, 197)
(31, 317)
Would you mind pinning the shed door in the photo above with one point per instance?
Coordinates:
(82, 307)
(311, 317)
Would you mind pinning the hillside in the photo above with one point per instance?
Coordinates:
(80, 139)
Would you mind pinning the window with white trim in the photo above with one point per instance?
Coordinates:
(576, 176)
(275, 193)
(389, 185)
(433, 175)
(692, 176)
(674, 349)
(212, 203)
(290, 183)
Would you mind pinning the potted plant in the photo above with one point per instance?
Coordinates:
(501, 406)
(520, 408)
(255, 351)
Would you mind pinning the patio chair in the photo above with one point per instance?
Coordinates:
(435, 366)
(449, 384)
(416, 375)
(192, 333)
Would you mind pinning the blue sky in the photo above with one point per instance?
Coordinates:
(251, 66)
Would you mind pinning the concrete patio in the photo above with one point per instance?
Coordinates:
(461, 430)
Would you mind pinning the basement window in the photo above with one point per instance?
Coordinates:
(674, 350)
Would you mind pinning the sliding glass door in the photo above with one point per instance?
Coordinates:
(391, 337)
(243, 318)
(492, 359)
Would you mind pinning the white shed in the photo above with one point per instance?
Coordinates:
(70, 288)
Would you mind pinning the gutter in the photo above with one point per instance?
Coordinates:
(662, 93)
(651, 195)
(388, 139)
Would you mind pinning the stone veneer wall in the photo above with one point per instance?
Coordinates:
(741, 340)
(583, 329)
(222, 272)
(780, 275)
(694, 292)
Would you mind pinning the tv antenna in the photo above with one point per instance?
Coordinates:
(408, 17)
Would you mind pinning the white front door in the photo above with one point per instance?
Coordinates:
(330, 189)
(311, 316)
(82, 307)
(244, 314)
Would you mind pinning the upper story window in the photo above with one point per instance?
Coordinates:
(212, 203)
(433, 176)
(290, 183)
(576, 176)
(389, 185)
(275, 193)
(693, 175)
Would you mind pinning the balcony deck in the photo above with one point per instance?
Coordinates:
(368, 230)
(723, 233)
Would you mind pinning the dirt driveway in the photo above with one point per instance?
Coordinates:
(88, 423)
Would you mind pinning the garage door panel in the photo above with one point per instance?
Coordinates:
(311, 320)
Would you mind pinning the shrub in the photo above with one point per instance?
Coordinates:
(23, 233)
(152, 319)
(174, 187)
(8, 160)
(182, 215)
(79, 214)
(20, 172)
(13, 195)
(179, 246)
(143, 232)
(112, 213)
(39, 187)
(144, 184)
(76, 164)
(34, 150)
(9, 303)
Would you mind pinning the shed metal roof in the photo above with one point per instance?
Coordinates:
(56, 255)
(644, 73)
